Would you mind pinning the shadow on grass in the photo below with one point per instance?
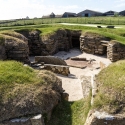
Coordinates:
(62, 114)
(71, 113)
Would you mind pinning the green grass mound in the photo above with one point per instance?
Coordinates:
(14, 72)
(111, 88)
(114, 34)
(25, 91)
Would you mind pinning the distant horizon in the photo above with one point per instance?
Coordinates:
(13, 9)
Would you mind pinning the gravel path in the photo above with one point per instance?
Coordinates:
(90, 25)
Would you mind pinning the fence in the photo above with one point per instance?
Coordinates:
(79, 20)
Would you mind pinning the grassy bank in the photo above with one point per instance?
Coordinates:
(14, 72)
(111, 88)
(114, 34)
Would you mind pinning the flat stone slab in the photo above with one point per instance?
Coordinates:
(78, 64)
(50, 60)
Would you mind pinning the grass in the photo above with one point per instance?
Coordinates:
(82, 20)
(114, 34)
(14, 72)
(16, 78)
(111, 88)
(71, 113)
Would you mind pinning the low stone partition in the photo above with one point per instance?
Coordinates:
(115, 51)
(92, 43)
(86, 85)
(50, 60)
(64, 70)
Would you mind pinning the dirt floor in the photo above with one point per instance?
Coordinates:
(72, 83)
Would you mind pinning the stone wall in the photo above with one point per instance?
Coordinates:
(56, 42)
(64, 70)
(50, 60)
(50, 44)
(2, 52)
(14, 47)
(34, 43)
(17, 51)
(95, 44)
(115, 51)
(91, 43)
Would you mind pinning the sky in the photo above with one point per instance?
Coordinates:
(16, 9)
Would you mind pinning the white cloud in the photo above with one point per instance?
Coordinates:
(13, 9)
(120, 1)
(120, 5)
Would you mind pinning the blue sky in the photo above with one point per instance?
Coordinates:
(13, 9)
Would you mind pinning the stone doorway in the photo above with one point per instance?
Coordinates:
(75, 42)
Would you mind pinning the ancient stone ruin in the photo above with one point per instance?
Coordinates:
(115, 51)
(52, 63)
(64, 40)
(93, 43)
(19, 48)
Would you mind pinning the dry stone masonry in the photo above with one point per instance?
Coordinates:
(64, 70)
(56, 42)
(50, 60)
(54, 64)
(95, 44)
(14, 46)
(18, 47)
(19, 52)
(34, 43)
(115, 51)
(91, 43)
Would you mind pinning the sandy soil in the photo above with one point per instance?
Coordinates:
(72, 84)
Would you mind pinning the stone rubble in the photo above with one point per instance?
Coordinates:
(35, 120)
(103, 118)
